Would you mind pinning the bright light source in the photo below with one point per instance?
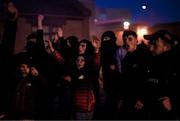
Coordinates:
(141, 31)
(144, 7)
(95, 20)
(126, 25)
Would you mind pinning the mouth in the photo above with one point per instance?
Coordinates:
(127, 46)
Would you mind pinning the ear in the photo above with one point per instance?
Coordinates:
(137, 40)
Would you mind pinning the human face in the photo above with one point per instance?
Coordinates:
(80, 62)
(24, 69)
(158, 47)
(130, 43)
(82, 48)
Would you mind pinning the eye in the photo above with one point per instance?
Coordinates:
(130, 38)
(106, 38)
(82, 45)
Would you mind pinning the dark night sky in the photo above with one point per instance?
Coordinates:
(157, 11)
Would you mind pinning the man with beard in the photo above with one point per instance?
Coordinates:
(162, 82)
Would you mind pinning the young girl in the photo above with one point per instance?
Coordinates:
(83, 94)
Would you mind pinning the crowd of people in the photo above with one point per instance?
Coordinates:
(63, 78)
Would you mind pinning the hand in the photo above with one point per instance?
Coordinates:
(60, 32)
(139, 105)
(40, 18)
(112, 67)
(2, 116)
(49, 47)
(34, 71)
(13, 10)
(166, 102)
(101, 84)
(56, 38)
(91, 101)
(67, 78)
(96, 42)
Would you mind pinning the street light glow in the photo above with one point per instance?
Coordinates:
(126, 25)
(141, 31)
(144, 7)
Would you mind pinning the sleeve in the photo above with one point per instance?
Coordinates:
(58, 57)
(40, 41)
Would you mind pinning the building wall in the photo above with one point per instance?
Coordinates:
(24, 28)
(90, 4)
(171, 27)
(79, 28)
(111, 19)
(111, 14)
(104, 14)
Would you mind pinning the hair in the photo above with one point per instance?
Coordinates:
(31, 36)
(89, 48)
(73, 40)
(129, 32)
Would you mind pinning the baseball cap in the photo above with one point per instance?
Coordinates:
(163, 34)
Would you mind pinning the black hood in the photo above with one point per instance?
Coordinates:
(89, 47)
(108, 47)
(110, 35)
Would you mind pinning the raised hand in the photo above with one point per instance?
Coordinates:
(59, 32)
(13, 10)
(96, 43)
(49, 47)
(40, 18)
(166, 102)
(67, 78)
(34, 71)
(139, 105)
(56, 38)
